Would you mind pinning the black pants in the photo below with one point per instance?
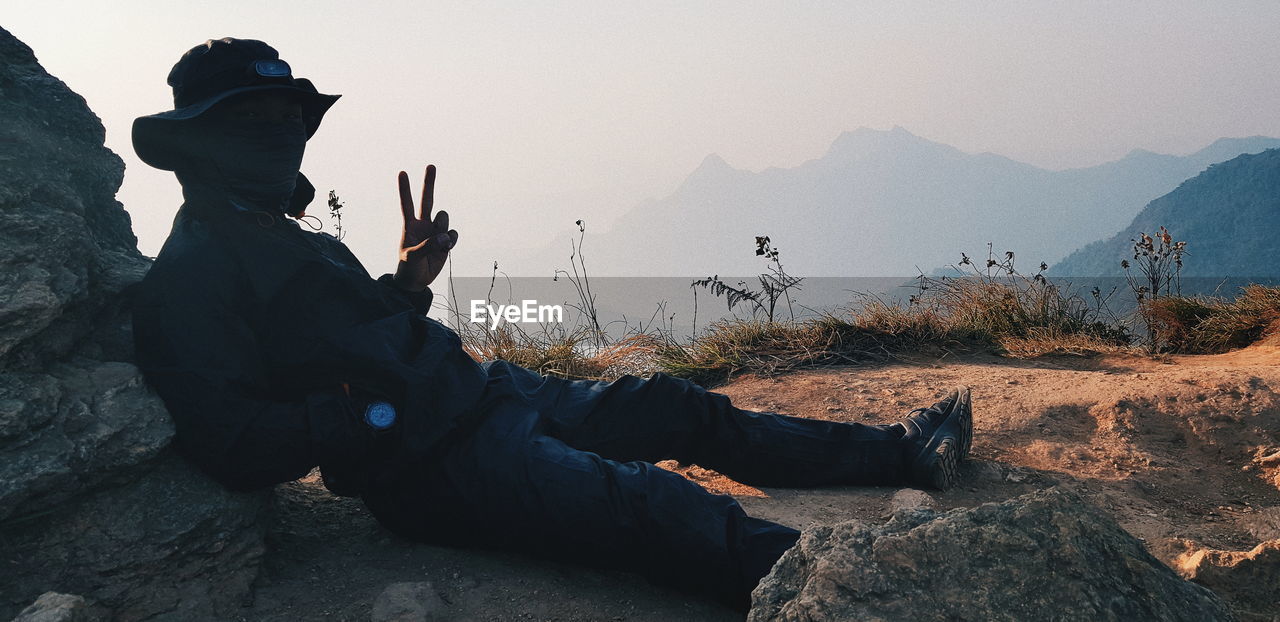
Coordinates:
(563, 469)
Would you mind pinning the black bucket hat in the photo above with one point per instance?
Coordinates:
(210, 73)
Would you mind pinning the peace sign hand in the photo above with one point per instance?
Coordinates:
(425, 242)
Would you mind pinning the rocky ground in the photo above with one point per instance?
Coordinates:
(1183, 452)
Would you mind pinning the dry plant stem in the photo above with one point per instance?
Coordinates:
(335, 213)
(582, 284)
(774, 284)
(1159, 261)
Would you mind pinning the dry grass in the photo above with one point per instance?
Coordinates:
(1019, 307)
(1045, 342)
(1011, 315)
(770, 347)
(1199, 325)
(1019, 317)
(573, 354)
(959, 314)
(911, 324)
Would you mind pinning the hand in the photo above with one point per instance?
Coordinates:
(425, 242)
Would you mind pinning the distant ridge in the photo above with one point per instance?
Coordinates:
(883, 203)
(1229, 215)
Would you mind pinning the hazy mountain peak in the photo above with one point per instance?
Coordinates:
(713, 170)
(713, 162)
(1140, 153)
(1227, 148)
(868, 134)
(866, 142)
(1245, 140)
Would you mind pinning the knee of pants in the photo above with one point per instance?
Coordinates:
(678, 394)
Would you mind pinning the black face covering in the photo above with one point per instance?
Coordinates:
(251, 161)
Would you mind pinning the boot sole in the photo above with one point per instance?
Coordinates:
(945, 470)
(940, 466)
(965, 406)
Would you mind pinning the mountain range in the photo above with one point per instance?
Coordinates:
(1229, 216)
(883, 203)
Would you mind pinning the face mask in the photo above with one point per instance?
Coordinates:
(255, 161)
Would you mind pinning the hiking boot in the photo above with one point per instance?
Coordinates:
(938, 440)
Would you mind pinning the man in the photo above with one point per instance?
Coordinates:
(276, 352)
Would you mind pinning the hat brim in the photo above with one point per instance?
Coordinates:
(155, 137)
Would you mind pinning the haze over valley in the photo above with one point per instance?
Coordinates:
(877, 203)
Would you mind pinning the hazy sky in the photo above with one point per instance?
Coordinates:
(539, 113)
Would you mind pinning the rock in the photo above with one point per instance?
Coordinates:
(169, 541)
(985, 471)
(66, 247)
(92, 500)
(74, 426)
(1264, 524)
(910, 498)
(408, 602)
(1248, 580)
(1045, 555)
(54, 607)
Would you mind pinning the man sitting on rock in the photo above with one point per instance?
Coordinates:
(276, 352)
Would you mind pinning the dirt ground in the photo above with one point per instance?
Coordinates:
(1183, 451)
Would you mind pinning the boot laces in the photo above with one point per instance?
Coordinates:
(909, 422)
(927, 409)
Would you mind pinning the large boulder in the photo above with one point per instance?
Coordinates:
(1047, 555)
(92, 499)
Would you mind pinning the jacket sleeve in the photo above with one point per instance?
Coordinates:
(197, 351)
(421, 301)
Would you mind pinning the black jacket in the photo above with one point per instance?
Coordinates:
(247, 325)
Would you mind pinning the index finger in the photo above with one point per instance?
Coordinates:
(428, 192)
(406, 197)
